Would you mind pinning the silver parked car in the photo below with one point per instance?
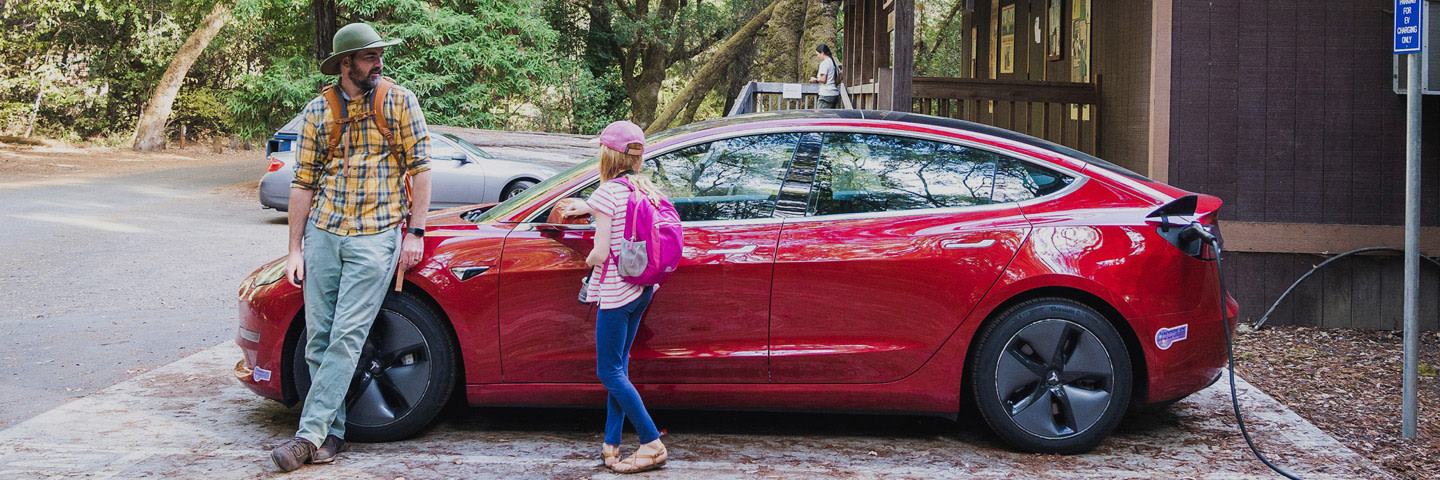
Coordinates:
(463, 174)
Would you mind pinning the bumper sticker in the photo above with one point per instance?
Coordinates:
(1164, 338)
(261, 375)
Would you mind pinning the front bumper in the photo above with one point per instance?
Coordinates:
(267, 316)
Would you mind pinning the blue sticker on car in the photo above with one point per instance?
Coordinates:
(261, 375)
(1168, 336)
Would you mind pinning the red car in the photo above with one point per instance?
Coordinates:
(836, 260)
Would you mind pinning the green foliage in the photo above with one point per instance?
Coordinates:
(543, 64)
(265, 102)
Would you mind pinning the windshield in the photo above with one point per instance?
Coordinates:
(467, 146)
(519, 202)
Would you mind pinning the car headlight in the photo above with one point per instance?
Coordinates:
(270, 273)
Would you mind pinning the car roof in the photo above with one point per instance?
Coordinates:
(892, 116)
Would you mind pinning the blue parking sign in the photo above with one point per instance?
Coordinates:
(1407, 26)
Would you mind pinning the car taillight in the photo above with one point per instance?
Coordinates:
(275, 164)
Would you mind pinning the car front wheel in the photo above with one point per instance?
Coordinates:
(405, 374)
(514, 188)
(1051, 375)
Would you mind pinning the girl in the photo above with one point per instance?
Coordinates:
(621, 304)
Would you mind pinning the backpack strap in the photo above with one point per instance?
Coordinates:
(630, 202)
(377, 109)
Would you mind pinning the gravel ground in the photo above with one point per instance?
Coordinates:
(1348, 383)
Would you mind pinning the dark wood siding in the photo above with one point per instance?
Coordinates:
(1285, 110)
(1354, 292)
(1121, 59)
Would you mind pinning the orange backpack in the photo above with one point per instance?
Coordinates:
(337, 110)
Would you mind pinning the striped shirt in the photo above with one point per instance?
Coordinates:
(362, 190)
(612, 291)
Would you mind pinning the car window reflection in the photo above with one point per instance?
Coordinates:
(731, 179)
(861, 173)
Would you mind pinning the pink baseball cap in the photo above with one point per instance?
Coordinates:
(620, 135)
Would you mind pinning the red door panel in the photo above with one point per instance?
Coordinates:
(707, 324)
(546, 334)
(867, 300)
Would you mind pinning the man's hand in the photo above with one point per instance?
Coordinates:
(295, 268)
(411, 249)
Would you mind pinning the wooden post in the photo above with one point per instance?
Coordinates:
(904, 54)
(884, 95)
(182, 136)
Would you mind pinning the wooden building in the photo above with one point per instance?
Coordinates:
(1285, 109)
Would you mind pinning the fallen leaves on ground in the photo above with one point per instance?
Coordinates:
(1348, 383)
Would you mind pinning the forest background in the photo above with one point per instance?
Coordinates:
(90, 71)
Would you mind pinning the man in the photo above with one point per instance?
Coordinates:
(347, 206)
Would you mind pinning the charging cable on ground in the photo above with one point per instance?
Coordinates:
(1230, 354)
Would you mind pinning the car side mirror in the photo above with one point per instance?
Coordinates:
(460, 157)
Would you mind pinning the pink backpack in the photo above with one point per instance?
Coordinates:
(653, 242)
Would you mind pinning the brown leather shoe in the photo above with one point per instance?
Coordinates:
(331, 447)
(293, 454)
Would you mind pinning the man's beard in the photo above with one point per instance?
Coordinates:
(363, 80)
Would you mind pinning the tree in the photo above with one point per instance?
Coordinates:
(150, 130)
(658, 39)
(711, 73)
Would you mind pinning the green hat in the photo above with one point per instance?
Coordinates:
(350, 39)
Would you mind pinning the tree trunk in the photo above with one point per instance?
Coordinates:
(778, 61)
(819, 28)
(710, 74)
(150, 131)
(35, 111)
(324, 12)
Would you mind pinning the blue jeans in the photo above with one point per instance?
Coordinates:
(614, 333)
(345, 283)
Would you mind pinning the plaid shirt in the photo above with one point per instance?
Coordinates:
(361, 192)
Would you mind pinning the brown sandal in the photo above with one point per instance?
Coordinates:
(606, 456)
(657, 460)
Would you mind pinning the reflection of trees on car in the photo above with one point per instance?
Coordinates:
(872, 173)
(729, 179)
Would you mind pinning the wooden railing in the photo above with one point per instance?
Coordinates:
(1061, 112)
(769, 96)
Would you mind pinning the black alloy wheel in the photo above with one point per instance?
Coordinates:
(514, 188)
(1052, 375)
(405, 375)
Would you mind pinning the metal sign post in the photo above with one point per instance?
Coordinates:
(1408, 41)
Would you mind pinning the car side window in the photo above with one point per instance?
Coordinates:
(1017, 181)
(861, 173)
(731, 179)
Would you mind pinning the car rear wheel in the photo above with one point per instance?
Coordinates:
(514, 188)
(1051, 375)
(405, 375)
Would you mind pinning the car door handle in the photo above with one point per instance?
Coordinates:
(956, 244)
(731, 251)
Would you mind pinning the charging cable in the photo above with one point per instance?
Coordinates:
(1230, 352)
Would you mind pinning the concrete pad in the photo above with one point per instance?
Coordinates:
(191, 419)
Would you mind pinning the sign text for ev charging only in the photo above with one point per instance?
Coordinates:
(1407, 26)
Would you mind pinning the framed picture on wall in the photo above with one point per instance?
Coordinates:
(1007, 39)
(1080, 41)
(1053, 48)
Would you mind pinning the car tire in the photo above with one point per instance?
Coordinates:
(1051, 375)
(407, 372)
(514, 188)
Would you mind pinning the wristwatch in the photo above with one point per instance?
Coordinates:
(419, 232)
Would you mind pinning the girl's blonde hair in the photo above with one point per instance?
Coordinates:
(613, 164)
